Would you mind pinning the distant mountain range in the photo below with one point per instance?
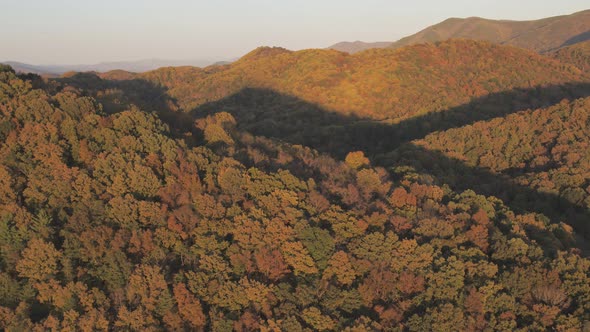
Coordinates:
(130, 66)
(542, 35)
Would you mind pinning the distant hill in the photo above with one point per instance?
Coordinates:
(130, 66)
(20, 67)
(540, 35)
(357, 46)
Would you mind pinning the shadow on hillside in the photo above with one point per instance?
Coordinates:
(115, 95)
(577, 39)
(290, 119)
(521, 199)
(116, 92)
(275, 115)
(268, 113)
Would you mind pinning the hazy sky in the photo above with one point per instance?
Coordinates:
(84, 31)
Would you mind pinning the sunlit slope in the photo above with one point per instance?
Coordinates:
(378, 84)
(539, 35)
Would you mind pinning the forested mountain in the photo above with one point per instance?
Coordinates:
(539, 35)
(436, 187)
(349, 106)
(378, 84)
(544, 35)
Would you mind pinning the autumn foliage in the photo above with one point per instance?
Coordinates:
(113, 219)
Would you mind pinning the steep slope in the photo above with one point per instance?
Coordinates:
(107, 222)
(379, 100)
(357, 46)
(540, 35)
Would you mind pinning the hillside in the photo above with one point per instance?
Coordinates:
(357, 46)
(539, 35)
(577, 55)
(545, 150)
(110, 221)
(375, 101)
(380, 84)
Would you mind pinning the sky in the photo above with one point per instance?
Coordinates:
(87, 32)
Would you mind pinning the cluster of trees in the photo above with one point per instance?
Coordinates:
(111, 221)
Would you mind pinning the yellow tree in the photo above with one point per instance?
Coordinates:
(39, 260)
(298, 257)
(340, 266)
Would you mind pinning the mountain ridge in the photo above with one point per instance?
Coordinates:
(520, 33)
(342, 81)
(137, 66)
(541, 35)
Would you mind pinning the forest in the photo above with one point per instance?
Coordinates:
(436, 187)
(577, 54)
